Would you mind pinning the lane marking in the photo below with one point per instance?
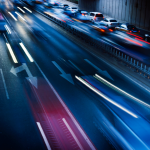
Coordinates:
(8, 29)
(67, 110)
(5, 87)
(21, 10)
(105, 97)
(11, 53)
(20, 16)
(26, 52)
(120, 90)
(43, 135)
(27, 9)
(10, 50)
(72, 133)
(12, 16)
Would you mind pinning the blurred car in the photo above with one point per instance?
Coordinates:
(147, 37)
(17, 3)
(81, 16)
(110, 22)
(100, 27)
(3, 25)
(63, 6)
(95, 16)
(72, 9)
(128, 28)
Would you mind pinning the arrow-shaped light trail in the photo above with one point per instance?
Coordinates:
(30, 78)
(68, 77)
(105, 73)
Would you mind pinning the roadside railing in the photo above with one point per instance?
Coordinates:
(130, 61)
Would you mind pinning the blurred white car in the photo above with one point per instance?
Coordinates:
(95, 16)
(72, 9)
(63, 6)
(110, 22)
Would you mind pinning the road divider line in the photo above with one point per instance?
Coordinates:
(27, 9)
(3, 79)
(72, 133)
(7, 28)
(12, 16)
(68, 111)
(118, 89)
(20, 16)
(11, 53)
(26, 52)
(105, 97)
(43, 135)
(21, 10)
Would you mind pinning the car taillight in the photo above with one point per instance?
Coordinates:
(139, 30)
(102, 30)
(94, 17)
(110, 30)
(130, 31)
(103, 17)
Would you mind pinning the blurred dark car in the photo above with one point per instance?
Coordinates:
(51, 4)
(147, 37)
(128, 28)
(17, 3)
(81, 15)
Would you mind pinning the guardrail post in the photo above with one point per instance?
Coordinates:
(119, 54)
(145, 68)
(116, 52)
(149, 69)
(141, 66)
(131, 60)
(137, 63)
(127, 58)
(134, 62)
(122, 55)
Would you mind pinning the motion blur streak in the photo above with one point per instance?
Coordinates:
(43, 135)
(133, 41)
(142, 40)
(105, 97)
(11, 53)
(20, 16)
(135, 35)
(12, 16)
(116, 88)
(26, 52)
(74, 136)
(21, 9)
(27, 9)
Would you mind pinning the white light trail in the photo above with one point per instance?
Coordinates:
(120, 90)
(105, 97)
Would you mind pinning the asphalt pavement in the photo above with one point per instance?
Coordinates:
(47, 65)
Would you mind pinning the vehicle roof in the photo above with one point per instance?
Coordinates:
(110, 18)
(96, 12)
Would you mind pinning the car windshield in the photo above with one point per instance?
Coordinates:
(131, 27)
(74, 8)
(65, 5)
(99, 15)
(113, 20)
